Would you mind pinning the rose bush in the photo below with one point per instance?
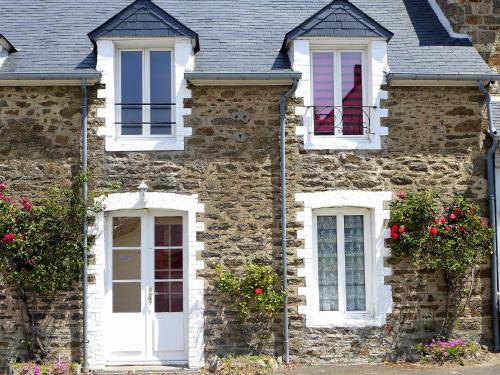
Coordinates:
(447, 237)
(40, 251)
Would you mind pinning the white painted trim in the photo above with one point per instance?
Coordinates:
(376, 69)
(445, 21)
(187, 204)
(382, 293)
(4, 53)
(432, 83)
(183, 61)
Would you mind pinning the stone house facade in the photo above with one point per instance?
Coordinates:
(385, 98)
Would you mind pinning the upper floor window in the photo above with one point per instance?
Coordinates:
(144, 104)
(338, 93)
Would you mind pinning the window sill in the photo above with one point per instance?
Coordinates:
(146, 144)
(328, 319)
(326, 142)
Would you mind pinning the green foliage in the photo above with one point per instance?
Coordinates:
(440, 236)
(41, 246)
(257, 293)
(441, 351)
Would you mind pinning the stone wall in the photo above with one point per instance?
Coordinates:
(481, 20)
(39, 148)
(435, 139)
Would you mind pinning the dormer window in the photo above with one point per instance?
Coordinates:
(144, 100)
(338, 93)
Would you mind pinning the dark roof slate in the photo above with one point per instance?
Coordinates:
(338, 19)
(235, 35)
(142, 18)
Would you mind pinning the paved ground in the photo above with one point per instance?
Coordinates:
(487, 369)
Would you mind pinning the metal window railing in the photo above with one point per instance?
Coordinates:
(342, 120)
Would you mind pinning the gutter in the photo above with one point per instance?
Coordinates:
(490, 165)
(248, 78)
(36, 76)
(85, 365)
(283, 100)
(405, 76)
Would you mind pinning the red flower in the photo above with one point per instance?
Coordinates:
(457, 212)
(258, 291)
(3, 186)
(447, 228)
(402, 229)
(394, 228)
(26, 204)
(443, 220)
(461, 229)
(8, 238)
(394, 236)
(29, 262)
(433, 231)
(436, 221)
(472, 211)
(401, 195)
(453, 216)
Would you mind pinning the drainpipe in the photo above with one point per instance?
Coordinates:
(85, 365)
(490, 165)
(283, 101)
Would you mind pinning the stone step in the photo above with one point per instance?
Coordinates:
(144, 370)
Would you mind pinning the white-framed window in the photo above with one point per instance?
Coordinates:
(343, 253)
(145, 92)
(140, 78)
(341, 88)
(342, 259)
(339, 93)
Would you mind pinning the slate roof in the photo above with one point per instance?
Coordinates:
(8, 45)
(338, 19)
(235, 35)
(143, 18)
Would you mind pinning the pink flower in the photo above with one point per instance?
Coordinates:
(26, 204)
(8, 238)
(436, 221)
(401, 195)
(29, 262)
(453, 216)
(3, 186)
(402, 229)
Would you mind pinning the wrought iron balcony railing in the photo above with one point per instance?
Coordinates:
(342, 120)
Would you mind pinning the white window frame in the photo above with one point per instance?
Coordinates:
(379, 294)
(146, 93)
(375, 71)
(337, 86)
(340, 213)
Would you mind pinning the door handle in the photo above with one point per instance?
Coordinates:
(150, 296)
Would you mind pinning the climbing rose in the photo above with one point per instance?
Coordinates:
(433, 231)
(402, 229)
(394, 228)
(258, 291)
(461, 228)
(394, 236)
(447, 228)
(401, 195)
(3, 186)
(453, 216)
(443, 220)
(9, 237)
(29, 262)
(436, 221)
(26, 204)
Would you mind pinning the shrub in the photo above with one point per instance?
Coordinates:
(442, 351)
(58, 368)
(440, 236)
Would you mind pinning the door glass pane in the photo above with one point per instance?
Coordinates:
(168, 231)
(131, 92)
(168, 297)
(161, 92)
(126, 264)
(168, 264)
(352, 93)
(354, 263)
(328, 263)
(126, 232)
(127, 297)
(323, 93)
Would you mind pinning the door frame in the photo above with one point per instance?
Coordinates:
(147, 275)
(181, 205)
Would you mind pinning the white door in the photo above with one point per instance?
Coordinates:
(146, 293)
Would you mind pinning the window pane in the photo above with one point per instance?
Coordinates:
(127, 297)
(126, 264)
(168, 297)
(131, 92)
(168, 231)
(352, 93)
(168, 264)
(354, 263)
(323, 95)
(161, 92)
(126, 232)
(328, 263)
